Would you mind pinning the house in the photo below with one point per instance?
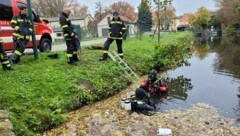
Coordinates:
(103, 25)
(81, 20)
(181, 22)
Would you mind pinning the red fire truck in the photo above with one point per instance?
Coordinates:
(43, 31)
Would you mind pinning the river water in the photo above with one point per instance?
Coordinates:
(212, 77)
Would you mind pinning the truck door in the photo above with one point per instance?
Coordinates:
(5, 18)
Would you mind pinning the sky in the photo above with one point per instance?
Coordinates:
(181, 6)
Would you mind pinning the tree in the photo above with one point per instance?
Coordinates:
(229, 11)
(99, 10)
(78, 9)
(214, 21)
(49, 8)
(124, 8)
(52, 8)
(144, 16)
(191, 19)
(200, 19)
(167, 16)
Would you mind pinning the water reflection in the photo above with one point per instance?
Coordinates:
(227, 49)
(215, 72)
(227, 62)
(202, 46)
(178, 90)
(179, 87)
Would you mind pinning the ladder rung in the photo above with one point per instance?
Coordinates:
(116, 58)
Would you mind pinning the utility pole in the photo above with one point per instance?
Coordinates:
(35, 51)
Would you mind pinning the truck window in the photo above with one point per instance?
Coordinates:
(6, 10)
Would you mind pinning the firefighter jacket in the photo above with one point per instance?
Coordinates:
(2, 51)
(22, 27)
(116, 29)
(66, 26)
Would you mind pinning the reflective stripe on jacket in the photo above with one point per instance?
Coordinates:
(22, 27)
(66, 25)
(116, 29)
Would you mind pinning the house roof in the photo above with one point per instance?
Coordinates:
(74, 17)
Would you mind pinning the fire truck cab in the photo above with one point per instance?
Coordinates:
(43, 31)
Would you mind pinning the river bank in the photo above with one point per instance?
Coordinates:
(106, 118)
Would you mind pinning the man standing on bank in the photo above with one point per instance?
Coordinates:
(70, 36)
(21, 35)
(116, 31)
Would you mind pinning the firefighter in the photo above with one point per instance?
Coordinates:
(154, 85)
(142, 101)
(116, 31)
(70, 37)
(3, 58)
(21, 35)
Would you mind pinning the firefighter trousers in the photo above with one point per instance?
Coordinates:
(4, 59)
(108, 43)
(73, 46)
(19, 47)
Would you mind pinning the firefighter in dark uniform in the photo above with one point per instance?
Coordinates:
(21, 35)
(70, 36)
(143, 101)
(3, 58)
(116, 31)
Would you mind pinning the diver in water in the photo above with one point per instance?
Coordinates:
(153, 85)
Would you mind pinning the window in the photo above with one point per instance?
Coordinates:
(6, 10)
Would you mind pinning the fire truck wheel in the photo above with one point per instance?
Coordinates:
(45, 45)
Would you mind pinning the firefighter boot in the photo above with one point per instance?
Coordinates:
(75, 57)
(104, 57)
(71, 61)
(120, 55)
(6, 65)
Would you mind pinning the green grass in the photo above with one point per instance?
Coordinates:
(38, 94)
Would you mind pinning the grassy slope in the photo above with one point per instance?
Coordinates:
(37, 94)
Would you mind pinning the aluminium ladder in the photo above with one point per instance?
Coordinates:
(115, 57)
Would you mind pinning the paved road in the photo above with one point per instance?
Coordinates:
(62, 47)
(84, 43)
